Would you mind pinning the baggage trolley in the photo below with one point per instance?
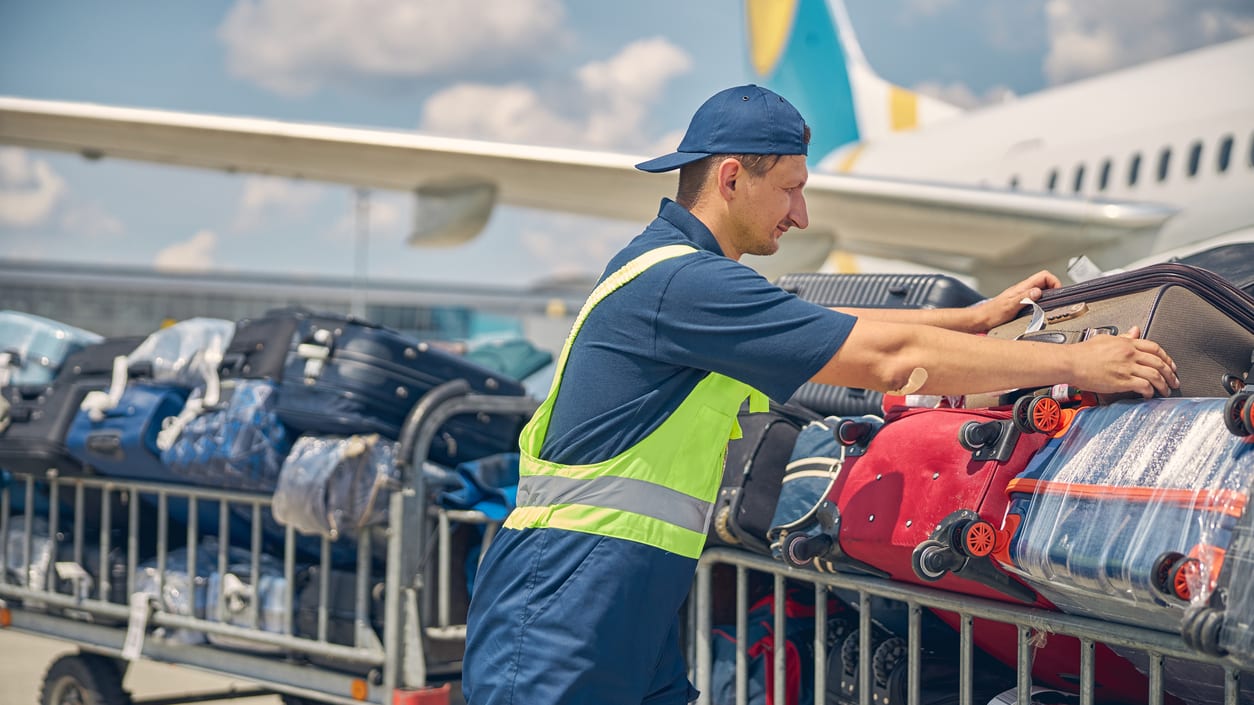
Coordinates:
(248, 629)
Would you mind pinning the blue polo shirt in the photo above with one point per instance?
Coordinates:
(645, 347)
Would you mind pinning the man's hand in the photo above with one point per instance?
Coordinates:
(1109, 364)
(1005, 306)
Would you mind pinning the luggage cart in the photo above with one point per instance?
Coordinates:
(866, 686)
(411, 660)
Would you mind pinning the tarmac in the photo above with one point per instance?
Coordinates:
(25, 658)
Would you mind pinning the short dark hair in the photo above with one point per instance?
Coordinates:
(692, 176)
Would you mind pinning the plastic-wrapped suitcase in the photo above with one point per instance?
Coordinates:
(1204, 322)
(32, 348)
(40, 416)
(869, 291)
(341, 375)
(920, 503)
(1130, 515)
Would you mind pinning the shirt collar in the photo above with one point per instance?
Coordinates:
(689, 225)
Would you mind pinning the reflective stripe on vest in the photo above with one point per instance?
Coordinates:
(660, 491)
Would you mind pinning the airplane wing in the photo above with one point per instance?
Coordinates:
(958, 228)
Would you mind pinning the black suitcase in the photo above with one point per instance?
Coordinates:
(39, 417)
(753, 472)
(1204, 322)
(342, 375)
(1233, 262)
(869, 291)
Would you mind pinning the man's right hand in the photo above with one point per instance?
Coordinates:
(1109, 364)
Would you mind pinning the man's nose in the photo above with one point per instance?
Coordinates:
(798, 215)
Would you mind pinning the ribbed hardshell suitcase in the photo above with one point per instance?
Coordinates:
(1129, 516)
(342, 375)
(1201, 320)
(920, 502)
(40, 416)
(869, 291)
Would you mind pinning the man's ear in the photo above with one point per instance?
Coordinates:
(729, 172)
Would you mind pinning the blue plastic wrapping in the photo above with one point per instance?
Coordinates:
(1132, 514)
(32, 348)
(334, 485)
(186, 353)
(230, 597)
(239, 444)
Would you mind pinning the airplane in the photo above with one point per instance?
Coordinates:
(993, 194)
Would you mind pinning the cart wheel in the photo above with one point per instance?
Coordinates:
(1182, 571)
(887, 656)
(1162, 572)
(976, 538)
(925, 559)
(1239, 414)
(1201, 628)
(84, 679)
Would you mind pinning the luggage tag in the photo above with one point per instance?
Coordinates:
(76, 574)
(136, 626)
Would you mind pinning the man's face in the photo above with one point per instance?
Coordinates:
(771, 204)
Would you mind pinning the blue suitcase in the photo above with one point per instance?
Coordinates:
(123, 442)
(1131, 515)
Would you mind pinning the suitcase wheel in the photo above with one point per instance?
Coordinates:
(975, 538)
(1037, 414)
(722, 526)
(931, 560)
(1185, 572)
(1200, 630)
(1239, 414)
(1167, 573)
(887, 656)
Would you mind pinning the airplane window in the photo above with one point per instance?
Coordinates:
(1103, 177)
(1079, 178)
(1195, 157)
(1014, 183)
(1225, 153)
(1053, 177)
(1252, 149)
(1134, 168)
(1164, 163)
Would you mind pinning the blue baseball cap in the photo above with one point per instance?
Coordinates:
(741, 120)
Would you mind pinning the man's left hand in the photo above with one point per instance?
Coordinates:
(1006, 305)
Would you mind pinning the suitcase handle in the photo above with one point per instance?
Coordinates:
(108, 443)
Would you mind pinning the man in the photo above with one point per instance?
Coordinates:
(578, 598)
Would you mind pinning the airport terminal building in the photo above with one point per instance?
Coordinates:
(112, 300)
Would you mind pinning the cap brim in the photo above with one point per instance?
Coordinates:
(671, 161)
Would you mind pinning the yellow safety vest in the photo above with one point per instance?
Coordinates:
(660, 491)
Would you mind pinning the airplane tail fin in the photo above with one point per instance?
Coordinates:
(806, 51)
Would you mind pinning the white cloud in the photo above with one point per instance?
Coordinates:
(570, 246)
(91, 220)
(267, 197)
(1088, 37)
(193, 255)
(29, 189)
(615, 96)
(961, 95)
(293, 47)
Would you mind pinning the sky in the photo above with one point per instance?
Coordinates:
(622, 76)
